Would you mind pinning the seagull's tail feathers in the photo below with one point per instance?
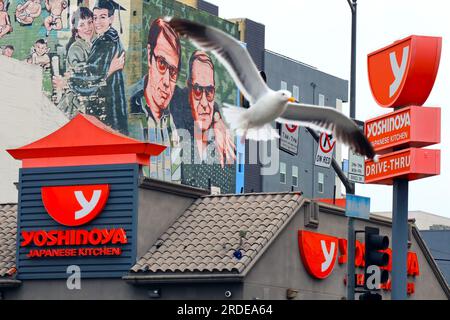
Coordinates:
(236, 119)
(234, 116)
(264, 133)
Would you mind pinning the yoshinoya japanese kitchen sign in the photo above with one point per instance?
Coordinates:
(69, 206)
(408, 126)
(84, 216)
(401, 76)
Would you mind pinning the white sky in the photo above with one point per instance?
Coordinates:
(318, 32)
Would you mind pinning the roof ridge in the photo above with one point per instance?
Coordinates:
(253, 194)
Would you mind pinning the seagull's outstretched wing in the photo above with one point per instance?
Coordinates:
(228, 51)
(329, 119)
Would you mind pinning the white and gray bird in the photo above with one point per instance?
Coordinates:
(266, 105)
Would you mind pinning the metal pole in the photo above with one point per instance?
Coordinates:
(351, 259)
(352, 4)
(399, 239)
(351, 223)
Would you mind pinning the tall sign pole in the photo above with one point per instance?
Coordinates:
(351, 223)
(401, 76)
(399, 238)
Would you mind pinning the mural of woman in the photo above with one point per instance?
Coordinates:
(78, 50)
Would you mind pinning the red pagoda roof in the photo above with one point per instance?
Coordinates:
(85, 140)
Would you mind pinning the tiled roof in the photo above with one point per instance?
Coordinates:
(8, 231)
(204, 238)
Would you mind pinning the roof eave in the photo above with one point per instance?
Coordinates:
(9, 283)
(173, 188)
(144, 279)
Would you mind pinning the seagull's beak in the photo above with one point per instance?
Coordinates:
(291, 99)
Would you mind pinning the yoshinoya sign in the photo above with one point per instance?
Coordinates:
(74, 206)
(325, 149)
(404, 72)
(68, 205)
(289, 138)
(401, 76)
(77, 215)
(319, 253)
(408, 126)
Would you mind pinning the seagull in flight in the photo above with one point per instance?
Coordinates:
(267, 105)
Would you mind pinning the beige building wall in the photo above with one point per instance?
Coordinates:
(423, 220)
(26, 115)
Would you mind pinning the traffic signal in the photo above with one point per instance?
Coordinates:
(370, 296)
(374, 259)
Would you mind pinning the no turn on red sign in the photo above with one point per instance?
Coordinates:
(324, 155)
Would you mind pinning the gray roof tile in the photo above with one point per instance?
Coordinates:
(205, 237)
(8, 232)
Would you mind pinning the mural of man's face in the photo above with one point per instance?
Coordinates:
(201, 94)
(8, 52)
(162, 72)
(102, 21)
(41, 48)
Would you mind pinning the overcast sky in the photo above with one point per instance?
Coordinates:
(318, 32)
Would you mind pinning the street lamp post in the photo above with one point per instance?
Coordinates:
(351, 222)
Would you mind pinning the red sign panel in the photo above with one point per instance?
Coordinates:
(75, 205)
(404, 72)
(407, 127)
(318, 253)
(410, 164)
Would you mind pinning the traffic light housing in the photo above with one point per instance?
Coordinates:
(374, 259)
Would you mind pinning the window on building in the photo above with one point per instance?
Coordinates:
(320, 180)
(240, 162)
(295, 176)
(282, 172)
(321, 100)
(283, 85)
(296, 93)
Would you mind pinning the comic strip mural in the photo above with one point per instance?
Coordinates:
(121, 62)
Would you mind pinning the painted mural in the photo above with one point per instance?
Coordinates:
(121, 62)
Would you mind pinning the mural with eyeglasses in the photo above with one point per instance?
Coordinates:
(121, 62)
(178, 103)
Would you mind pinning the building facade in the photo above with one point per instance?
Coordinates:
(308, 85)
(42, 52)
(141, 238)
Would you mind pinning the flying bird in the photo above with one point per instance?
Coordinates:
(267, 105)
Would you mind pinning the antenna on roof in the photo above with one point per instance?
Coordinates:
(238, 253)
